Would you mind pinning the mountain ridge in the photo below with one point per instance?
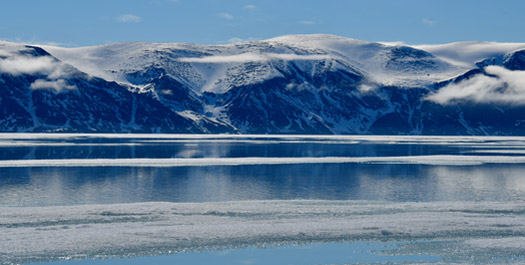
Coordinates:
(318, 84)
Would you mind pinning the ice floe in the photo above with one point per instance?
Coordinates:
(452, 160)
(31, 234)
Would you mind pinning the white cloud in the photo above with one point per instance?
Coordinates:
(225, 16)
(250, 7)
(428, 21)
(17, 65)
(254, 57)
(238, 40)
(4, 53)
(394, 43)
(128, 18)
(503, 86)
(307, 22)
(57, 85)
(365, 88)
(234, 40)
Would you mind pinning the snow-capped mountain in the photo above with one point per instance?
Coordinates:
(290, 84)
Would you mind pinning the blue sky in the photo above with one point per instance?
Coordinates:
(80, 23)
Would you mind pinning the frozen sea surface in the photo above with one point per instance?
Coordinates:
(32, 234)
(80, 196)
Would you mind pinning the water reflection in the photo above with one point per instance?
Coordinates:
(137, 148)
(59, 186)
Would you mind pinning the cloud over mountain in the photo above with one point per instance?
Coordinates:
(500, 85)
(253, 57)
(56, 85)
(306, 84)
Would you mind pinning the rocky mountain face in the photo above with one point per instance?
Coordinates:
(301, 84)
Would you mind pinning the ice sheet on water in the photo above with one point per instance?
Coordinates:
(453, 160)
(65, 139)
(383, 138)
(32, 234)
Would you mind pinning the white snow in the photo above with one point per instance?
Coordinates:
(216, 68)
(31, 234)
(372, 58)
(211, 67)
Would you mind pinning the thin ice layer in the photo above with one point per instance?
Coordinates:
(32, 234)
(453, 160)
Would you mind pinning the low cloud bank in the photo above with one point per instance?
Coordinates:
(501, 86)
(16, 64)
(254, 57)
(56, 85)
(55, 71)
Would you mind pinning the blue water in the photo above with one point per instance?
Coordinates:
(69, 186)
(311, 254)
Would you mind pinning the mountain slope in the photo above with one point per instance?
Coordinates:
(58, 97)
(321, 84)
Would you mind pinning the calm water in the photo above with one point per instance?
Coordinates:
(346, 181)
(436, 173)
(311, 254)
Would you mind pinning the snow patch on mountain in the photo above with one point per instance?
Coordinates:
(216, 68)
(393, 65)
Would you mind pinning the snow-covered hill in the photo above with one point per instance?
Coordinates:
(290, 84)
(205, 67)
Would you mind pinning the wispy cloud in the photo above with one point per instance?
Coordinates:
(174, 1)
(254, 57)
(393, 43)
(36, 41)
(428, 21)
(250, 7)
(237, 40)
(128, 18)
(501, 86)
(307, 22)
(56, 85)
(225, 16)
(234, 40)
